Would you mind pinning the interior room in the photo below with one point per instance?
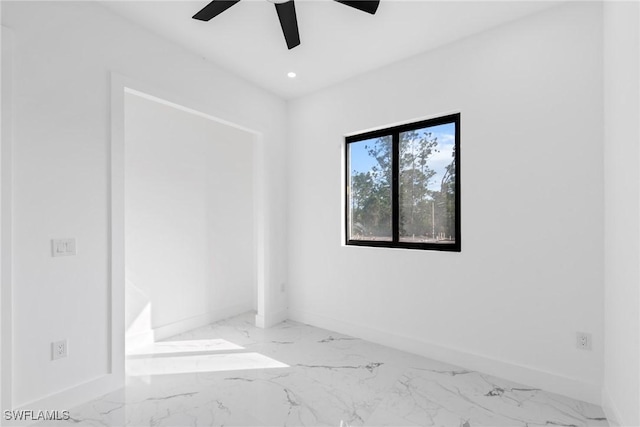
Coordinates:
(320, 212)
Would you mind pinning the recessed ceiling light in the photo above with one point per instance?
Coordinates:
(291, 74)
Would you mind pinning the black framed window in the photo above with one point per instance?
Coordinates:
(403, 186)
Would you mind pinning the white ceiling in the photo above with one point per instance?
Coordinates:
(337, 42)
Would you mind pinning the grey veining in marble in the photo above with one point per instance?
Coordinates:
(234, 374)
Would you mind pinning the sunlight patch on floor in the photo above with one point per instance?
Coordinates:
(187, 346)
(201, 363)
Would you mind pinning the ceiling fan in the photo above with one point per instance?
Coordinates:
(286, 13)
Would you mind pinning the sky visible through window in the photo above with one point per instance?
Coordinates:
(361, 161)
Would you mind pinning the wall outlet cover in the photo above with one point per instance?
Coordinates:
(59, 349)
(583, 341)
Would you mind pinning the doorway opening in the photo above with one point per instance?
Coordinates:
(190, 220)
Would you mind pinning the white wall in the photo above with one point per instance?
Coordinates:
(530, 273)
(6, 71)
(189, 223)
(621, 395)
(64, 53)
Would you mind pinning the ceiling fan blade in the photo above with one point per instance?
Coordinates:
(369, 6)
(213, 9)
(289, 23)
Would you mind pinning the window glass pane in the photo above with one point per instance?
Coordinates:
(370, 189)
(427, 185)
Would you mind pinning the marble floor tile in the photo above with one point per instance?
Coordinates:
(233, 374)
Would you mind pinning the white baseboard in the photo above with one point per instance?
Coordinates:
(530, 376)
(184, 325)
(271, 319)
(72, 397)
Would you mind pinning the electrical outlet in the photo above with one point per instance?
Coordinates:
(59, 349)
(583, 341)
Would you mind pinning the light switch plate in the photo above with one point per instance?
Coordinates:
(63, 247)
